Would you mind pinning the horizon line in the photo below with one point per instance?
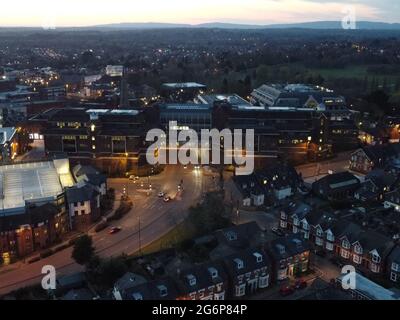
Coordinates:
(255, 24)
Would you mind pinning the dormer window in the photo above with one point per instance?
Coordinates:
(395, 266)
(231, 236)
(358, 249)
(281, 249)
(345, 244)
(305, 225)
(329, 236)
(319, 232)
(295, 221)
(162, 290)
(376, 258)
(192, 280)
(213, 272)
(239, 264)
(258, 256)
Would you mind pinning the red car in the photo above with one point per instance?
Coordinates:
(300, 284)
(114, 230)
(286, 291)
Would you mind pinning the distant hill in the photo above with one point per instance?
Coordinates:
(361, 25)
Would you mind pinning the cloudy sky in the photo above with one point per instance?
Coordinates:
(91, 12)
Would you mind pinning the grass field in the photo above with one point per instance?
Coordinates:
(357, 72)
(180, 233)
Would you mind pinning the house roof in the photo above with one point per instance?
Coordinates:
(300, 209)
(89, 174)
(344, 228)
(129, 280)
(394, 255)
(78, 294)
(202, 275)
(338, 180)
(240, 236)
(381, 178)
(159, 289)
(376, 152)
(245, 261)
(289, 246)
(323, 219)
(80, 193)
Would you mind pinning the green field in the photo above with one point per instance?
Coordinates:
(180, 233)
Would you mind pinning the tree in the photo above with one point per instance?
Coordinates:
(381, 99)
(106, 272)
(83, 250)
(209, 216)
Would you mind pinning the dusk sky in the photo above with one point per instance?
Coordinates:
(92, 12)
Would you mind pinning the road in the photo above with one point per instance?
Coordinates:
(156, 219)
(36, 153)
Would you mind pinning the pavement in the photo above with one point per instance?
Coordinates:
(155, 217)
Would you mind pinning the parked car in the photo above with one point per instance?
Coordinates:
(161, 194)
(277, 231)
(300, 284)
(135, 178)
(286, 291)
(167, 199)
(114, 230)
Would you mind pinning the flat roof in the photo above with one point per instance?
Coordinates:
(32, 182)
(6, 134)
(185, 106)
(372, 289)
(184, 85)
(113, 111)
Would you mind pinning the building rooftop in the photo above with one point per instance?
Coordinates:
(183, 85)
(185, 106)
(6, 134)
(371, 289)
(32, 182)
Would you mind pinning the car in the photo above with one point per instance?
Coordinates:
(161, 194)
(300, 284)
(277, 231)
(196, 167)
(134, 178)
(167, 199)
(286, 291)
(114, 230)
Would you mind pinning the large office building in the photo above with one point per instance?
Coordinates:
(187, 115)
(32, 206)
(41, 201)
(182, 92)
(295, 134)
(302, 96)
(111, 140)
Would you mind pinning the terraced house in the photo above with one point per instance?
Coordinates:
(367, 250)
(290, 255)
